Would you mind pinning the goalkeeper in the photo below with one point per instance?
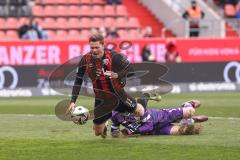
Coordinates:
(159, 121)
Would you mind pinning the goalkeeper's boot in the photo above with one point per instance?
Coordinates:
(200, 118)
(153, 96)
(192, 103)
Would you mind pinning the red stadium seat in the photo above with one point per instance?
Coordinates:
(50, 11)
(50, 2)
(12, 35)
(51, 35)
(97, 22)
(74, 11)
(86, 2)
(97, 11)
(74, 23)
(25, 20)
(109, 10)
(84, 34)
(85, 11)
(72, 2)
(49, 23)
(109, 22)
(74, 34)
(134, 33)
(62, 11)
(133, 22)
(2, 35)
(98, 2)
(38, 2)
(2, 23)
(86, 23)
(12, 23)
(121, 22)
(38, 11)
(122, 33)
(38, 20)
(61, 23)
(62, 2)
(61, 34)
(121, 10)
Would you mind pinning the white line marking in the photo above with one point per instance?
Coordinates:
(228, 118)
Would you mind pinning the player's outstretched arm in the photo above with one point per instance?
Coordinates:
(77, 84)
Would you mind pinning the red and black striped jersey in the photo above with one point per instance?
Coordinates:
(95, 68)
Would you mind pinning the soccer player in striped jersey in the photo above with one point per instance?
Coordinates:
(159, 121)
(107, 70)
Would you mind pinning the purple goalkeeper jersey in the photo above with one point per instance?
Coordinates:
(157, 121)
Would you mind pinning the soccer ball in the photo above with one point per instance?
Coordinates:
(80, 115)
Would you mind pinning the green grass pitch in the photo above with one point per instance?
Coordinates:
(30, 131)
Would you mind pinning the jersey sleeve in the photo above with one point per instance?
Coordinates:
(142, 126)
(146, 124)
(81, 69)
(146, 127)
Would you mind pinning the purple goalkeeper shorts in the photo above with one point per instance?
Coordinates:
(164, 118)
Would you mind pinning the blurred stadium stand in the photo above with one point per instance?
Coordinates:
(211, 26)
(229, 10)
(70, 17)
(77, 16)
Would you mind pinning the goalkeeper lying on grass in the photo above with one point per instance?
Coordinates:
(159, 121)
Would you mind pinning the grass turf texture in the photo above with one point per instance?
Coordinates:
(29, 130)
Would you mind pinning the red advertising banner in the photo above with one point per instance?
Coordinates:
(58, 52)
(209, 50)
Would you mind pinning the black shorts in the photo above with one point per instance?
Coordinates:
(129, 105)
